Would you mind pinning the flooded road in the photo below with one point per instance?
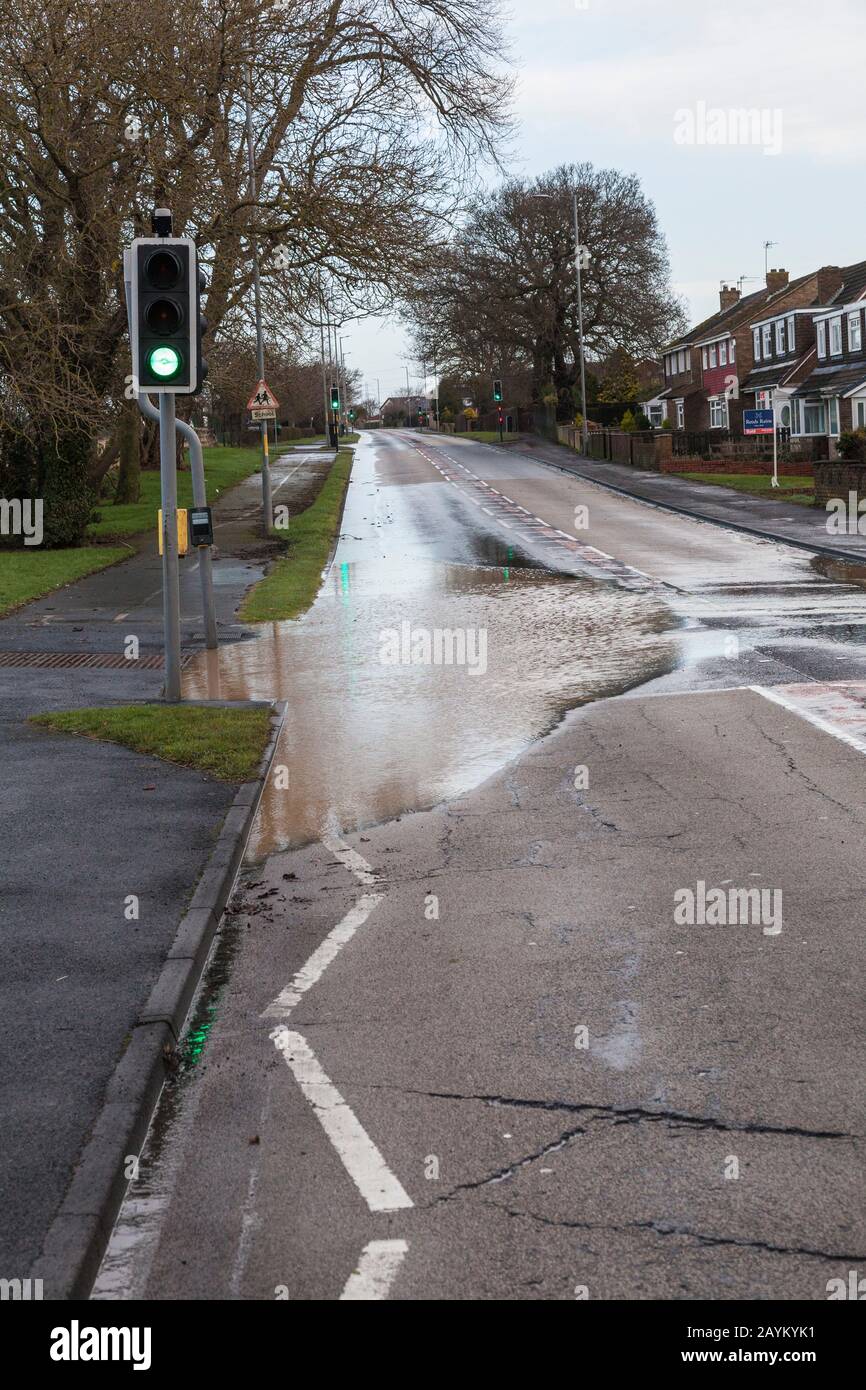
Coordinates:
(434, 653)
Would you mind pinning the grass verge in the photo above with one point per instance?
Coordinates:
(293, 581)
(226, 743)
(29, 573)
(799, 490)
(223, 468)
(484, 436)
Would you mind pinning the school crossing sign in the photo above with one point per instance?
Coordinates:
(263, 404)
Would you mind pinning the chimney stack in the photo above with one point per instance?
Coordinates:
(776, 280)
(830, 279)
(728, 296)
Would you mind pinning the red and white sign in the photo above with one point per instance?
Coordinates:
(262, 398)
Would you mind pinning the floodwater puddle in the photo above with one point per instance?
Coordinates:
(433, 654)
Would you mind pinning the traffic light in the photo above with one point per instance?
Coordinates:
(335, 396)
(165, 331)
(351, 414)
(497, 390)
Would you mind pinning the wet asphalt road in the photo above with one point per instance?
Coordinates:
(476, 1052)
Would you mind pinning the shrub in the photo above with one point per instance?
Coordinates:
(852, 445)
(628, 422)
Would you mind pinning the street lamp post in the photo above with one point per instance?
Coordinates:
(267, 506)
(579, 255)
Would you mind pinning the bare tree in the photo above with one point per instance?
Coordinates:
(367, 117)
(503, 296)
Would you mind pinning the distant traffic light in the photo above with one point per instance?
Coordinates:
(335, 396)
(351, 414)
(164, 331)
(497, 390)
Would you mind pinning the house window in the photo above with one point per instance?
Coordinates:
(791, 336)
(681, 415)
(813, 417)
(656, 415)
(763, 400)
(718, 413)
(822, 339)
(833, 415)
(767, 339)
(855, 332)
(683, 360)
(732, 354)
(704, 358)
(780, 337)
(712, 354)
(723, 354)
(835, 337)
(860, 415)
(756, 344)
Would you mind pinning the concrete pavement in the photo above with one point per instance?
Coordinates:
(759, 516)
(704, 1142)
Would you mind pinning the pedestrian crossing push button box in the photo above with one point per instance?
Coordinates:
(201, 526)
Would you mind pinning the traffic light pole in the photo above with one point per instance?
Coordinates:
(199, 497)
(170, 576)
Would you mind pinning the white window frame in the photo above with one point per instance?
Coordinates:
(713, 359)
(792, 333)
(836, 336)
(821, 338)
(719, 409)
(763, 400)
(780, 337)
(855, 331)
(858, 413)
(832, 415)
(683, 361)
(704, 358)
(756, 344)
(681, 414)
(732, 350)
(723, 354)
(767, 339)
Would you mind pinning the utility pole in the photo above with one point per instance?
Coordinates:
(267, 505)
(578, 258)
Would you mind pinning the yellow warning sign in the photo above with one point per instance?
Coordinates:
(182, 530)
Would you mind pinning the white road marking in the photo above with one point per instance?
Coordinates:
(769, 693)
(356, 1150)
(376, 1272)
(321, 958)
(350, 859)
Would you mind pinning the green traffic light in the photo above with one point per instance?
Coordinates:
(164, 362)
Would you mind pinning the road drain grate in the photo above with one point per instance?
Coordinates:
(113, 661)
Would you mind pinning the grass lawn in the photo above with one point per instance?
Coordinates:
(223, 468)
(799, 490)
(227, 743)
(29, 573)
(485, 436)
(293, 581)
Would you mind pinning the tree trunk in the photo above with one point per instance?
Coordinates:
(129, 477)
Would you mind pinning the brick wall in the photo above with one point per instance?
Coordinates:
(837, 478)
(788, 467)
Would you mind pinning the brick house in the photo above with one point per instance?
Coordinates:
(706, 370)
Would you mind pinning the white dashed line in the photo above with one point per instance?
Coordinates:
(376, 1272)
(321, 958)
(358, 1154)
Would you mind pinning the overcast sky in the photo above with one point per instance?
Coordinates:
(639, 86)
